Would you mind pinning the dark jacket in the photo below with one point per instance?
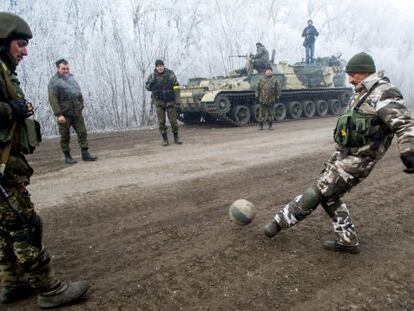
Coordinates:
(309, 33)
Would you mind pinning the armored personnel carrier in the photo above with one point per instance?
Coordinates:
(308, 90)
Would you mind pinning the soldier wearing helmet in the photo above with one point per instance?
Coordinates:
(362, 135)
(24, 262)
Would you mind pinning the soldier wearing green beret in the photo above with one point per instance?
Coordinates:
(362, 135)
(24, 263)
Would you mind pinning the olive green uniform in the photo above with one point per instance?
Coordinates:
(260, 60)
(267, 93)
(21, 249)
(163, 98)
(65, 98)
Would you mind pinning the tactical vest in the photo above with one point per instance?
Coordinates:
(25, 134)
(163, 87)
(355, 128)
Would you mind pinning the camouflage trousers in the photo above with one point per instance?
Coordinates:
(340, 175)
(78, 124)
(164, 109)
(266, 113)
(21, 250)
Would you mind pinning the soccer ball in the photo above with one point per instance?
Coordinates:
(242, 212)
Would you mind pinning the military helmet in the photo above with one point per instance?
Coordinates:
(13, 26)
(361, 63)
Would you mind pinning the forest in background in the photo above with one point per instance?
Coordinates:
(112, 45)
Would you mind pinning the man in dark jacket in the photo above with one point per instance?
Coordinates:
(66, 100)
(163, 83)
(309, 33)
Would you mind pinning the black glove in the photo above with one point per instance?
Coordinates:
(20, 108)
(408, 160)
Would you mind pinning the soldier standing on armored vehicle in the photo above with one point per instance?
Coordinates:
(66, 100)
(309, 33)
(24, 262)
(162, 83)
(267, 92)
(362, 135)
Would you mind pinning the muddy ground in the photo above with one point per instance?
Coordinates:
(148, 227)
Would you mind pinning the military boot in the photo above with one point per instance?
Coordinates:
(86, 156)
(271, 229)
(68, 293)
(337, 247)
(15, 293)
(68, 158)
(270, 126)
(164, 139)
(261, 126)
(177, 139)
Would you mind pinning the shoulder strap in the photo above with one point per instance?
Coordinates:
(362, 100)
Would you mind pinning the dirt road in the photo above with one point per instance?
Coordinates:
(148, 225)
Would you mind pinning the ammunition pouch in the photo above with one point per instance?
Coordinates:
(164, 95)
(356, 129)
(29, 135)
(32, 233)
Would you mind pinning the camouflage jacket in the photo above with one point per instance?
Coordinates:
(386, 105)
(268, 90)
(162, 85)
(262, 53)
(17, 170)
(309, 33)
(65, 96)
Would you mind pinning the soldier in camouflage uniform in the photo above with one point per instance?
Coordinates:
(267, 92)
(378, 113)
(66, 100)
(258, 61)
(24, 262)
(162, 83)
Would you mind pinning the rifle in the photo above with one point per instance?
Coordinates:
(244, 56)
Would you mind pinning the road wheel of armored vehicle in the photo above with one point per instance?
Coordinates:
(321, 107)
(335, 107)
(241, 114)
(309, 108)
(279, 112)
(295, 110)
(223, 104)
(255, 112)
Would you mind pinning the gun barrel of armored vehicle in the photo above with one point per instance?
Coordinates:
(308, 91)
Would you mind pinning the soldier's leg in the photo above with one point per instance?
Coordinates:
(261, 116)
(161, 111)
(64, 132)
(79, 126)
(172, 116)
(269, 115)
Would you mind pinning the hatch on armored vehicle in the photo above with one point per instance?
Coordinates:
(308, 91)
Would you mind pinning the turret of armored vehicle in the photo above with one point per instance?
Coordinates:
(308, 90)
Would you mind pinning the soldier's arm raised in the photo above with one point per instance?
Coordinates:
(393, 112)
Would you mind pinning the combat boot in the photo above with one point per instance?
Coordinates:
(67, 294)
(261, 126)
(337, 247)
(177, 139)
(164, 139)
(270, 126)
(68, 158)
(271, 229)
(86, 156)
(15, 293)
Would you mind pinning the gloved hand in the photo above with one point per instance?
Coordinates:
(21, 108)
(408, 160)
